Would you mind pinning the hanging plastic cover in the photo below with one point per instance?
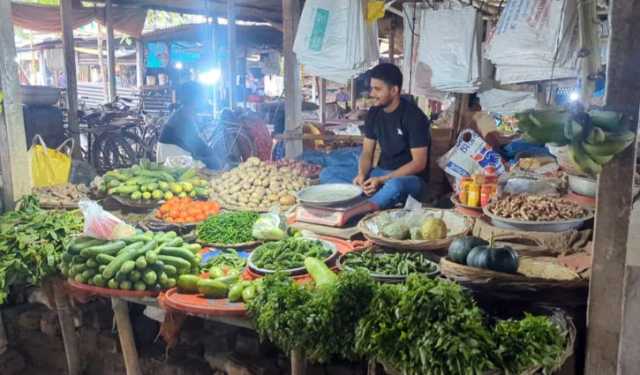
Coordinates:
(334, 41)
(449, 45)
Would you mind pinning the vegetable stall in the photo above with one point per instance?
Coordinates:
(495, 283)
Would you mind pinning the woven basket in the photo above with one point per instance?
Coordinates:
(557, 316)
(420, 245)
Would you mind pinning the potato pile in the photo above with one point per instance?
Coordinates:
(258, 185)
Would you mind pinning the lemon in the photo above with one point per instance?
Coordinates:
(146, 195)
(182, 195)
(157, 194)
(168, 195)
(187, 187)
(163, 186)
(176, 188)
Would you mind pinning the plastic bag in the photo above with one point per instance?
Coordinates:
(102, 224)
(471, 154)
(49, 166)
(269, 226)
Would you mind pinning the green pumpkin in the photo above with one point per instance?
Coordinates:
(503, 259)
(461, 246)
(479, 257)
(499, 259)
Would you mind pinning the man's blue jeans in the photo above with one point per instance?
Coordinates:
(394, 191)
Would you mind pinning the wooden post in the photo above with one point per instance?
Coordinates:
(140, 68)
(298, 363)
(14, 161)
(103, 69)
(608, 313)
(589, 47)
(111, 54)
(68, 329)
(125, 333)
(323, 101)
(353, 94)
(69, 52)
(293, 92)
(231, 41)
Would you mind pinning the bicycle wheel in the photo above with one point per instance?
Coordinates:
(234, 145)
(116, 149)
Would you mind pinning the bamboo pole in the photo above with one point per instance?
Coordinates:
(125, 333)
(68, 329)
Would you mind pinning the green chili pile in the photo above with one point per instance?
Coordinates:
(288, 254)
(227, 228)
(388, 264)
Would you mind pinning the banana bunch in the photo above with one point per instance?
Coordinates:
(593, 137)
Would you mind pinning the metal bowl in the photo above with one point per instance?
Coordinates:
(329, 194)
(583, 185)
(293, 271)
(537, 226)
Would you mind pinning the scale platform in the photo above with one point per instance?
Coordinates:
(331, 216)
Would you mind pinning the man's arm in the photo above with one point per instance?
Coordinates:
(417, 164)
(366, 160)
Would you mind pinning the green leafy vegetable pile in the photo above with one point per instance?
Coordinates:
(319, 320)
(532, 341)
(424, 326)
(32, 242)
(398, 264)
(227, 228)
(288, 254)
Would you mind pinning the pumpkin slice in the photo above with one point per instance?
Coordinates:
(536, 268)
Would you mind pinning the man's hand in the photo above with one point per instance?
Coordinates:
(372, 185)
(359, 180)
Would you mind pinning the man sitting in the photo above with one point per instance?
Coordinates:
(404, 134)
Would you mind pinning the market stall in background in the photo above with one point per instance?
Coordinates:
(252, 259)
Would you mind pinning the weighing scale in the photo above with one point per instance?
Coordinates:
(333, 216)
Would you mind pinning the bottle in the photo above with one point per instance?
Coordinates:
(464, 189)
(486, 193)
(473, 199)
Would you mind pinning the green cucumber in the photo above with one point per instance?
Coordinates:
(101, 268)
(150, 278)
(163, 280)
(79, 259)
(82, 243)
(117, 263)
(125, 285)
(104, 259)
(135, 275)
(179, 263)
(91, 263)
(140, 286)
(170, 270)
(110, 248)
(141, 263)
(98, 280)
(79, 278)
(120, 277)
(77, 269)
(180, 253)
(67, 257)
(113, 284)
(193, 247)
(127, 266)
(146, 237)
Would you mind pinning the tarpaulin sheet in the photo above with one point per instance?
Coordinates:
(47, 18)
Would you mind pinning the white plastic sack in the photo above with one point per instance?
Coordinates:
(506, 101)
(334, 41)
(471, 154)
(449, 42)
(535, 40)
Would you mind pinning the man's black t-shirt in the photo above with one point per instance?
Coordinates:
(397, 133)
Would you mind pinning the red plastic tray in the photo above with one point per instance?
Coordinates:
(198, 305)
(76, 287)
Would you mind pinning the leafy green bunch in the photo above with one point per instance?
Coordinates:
(32, 242)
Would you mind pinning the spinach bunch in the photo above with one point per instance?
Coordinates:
(32, 242)
(532, 341)
(426, 326)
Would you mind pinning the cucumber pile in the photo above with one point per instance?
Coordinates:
(146, 261)
(154, 182)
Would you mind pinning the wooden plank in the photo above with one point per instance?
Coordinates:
(14, 161)
(605, 316)
(111, 53)
(68, 52)
(140, 67)
(125, 333)
(231, 41)
(69, 337)
(589, 47)
(323, 101)
(293, 92)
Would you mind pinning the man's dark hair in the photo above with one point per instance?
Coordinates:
(388, 73)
